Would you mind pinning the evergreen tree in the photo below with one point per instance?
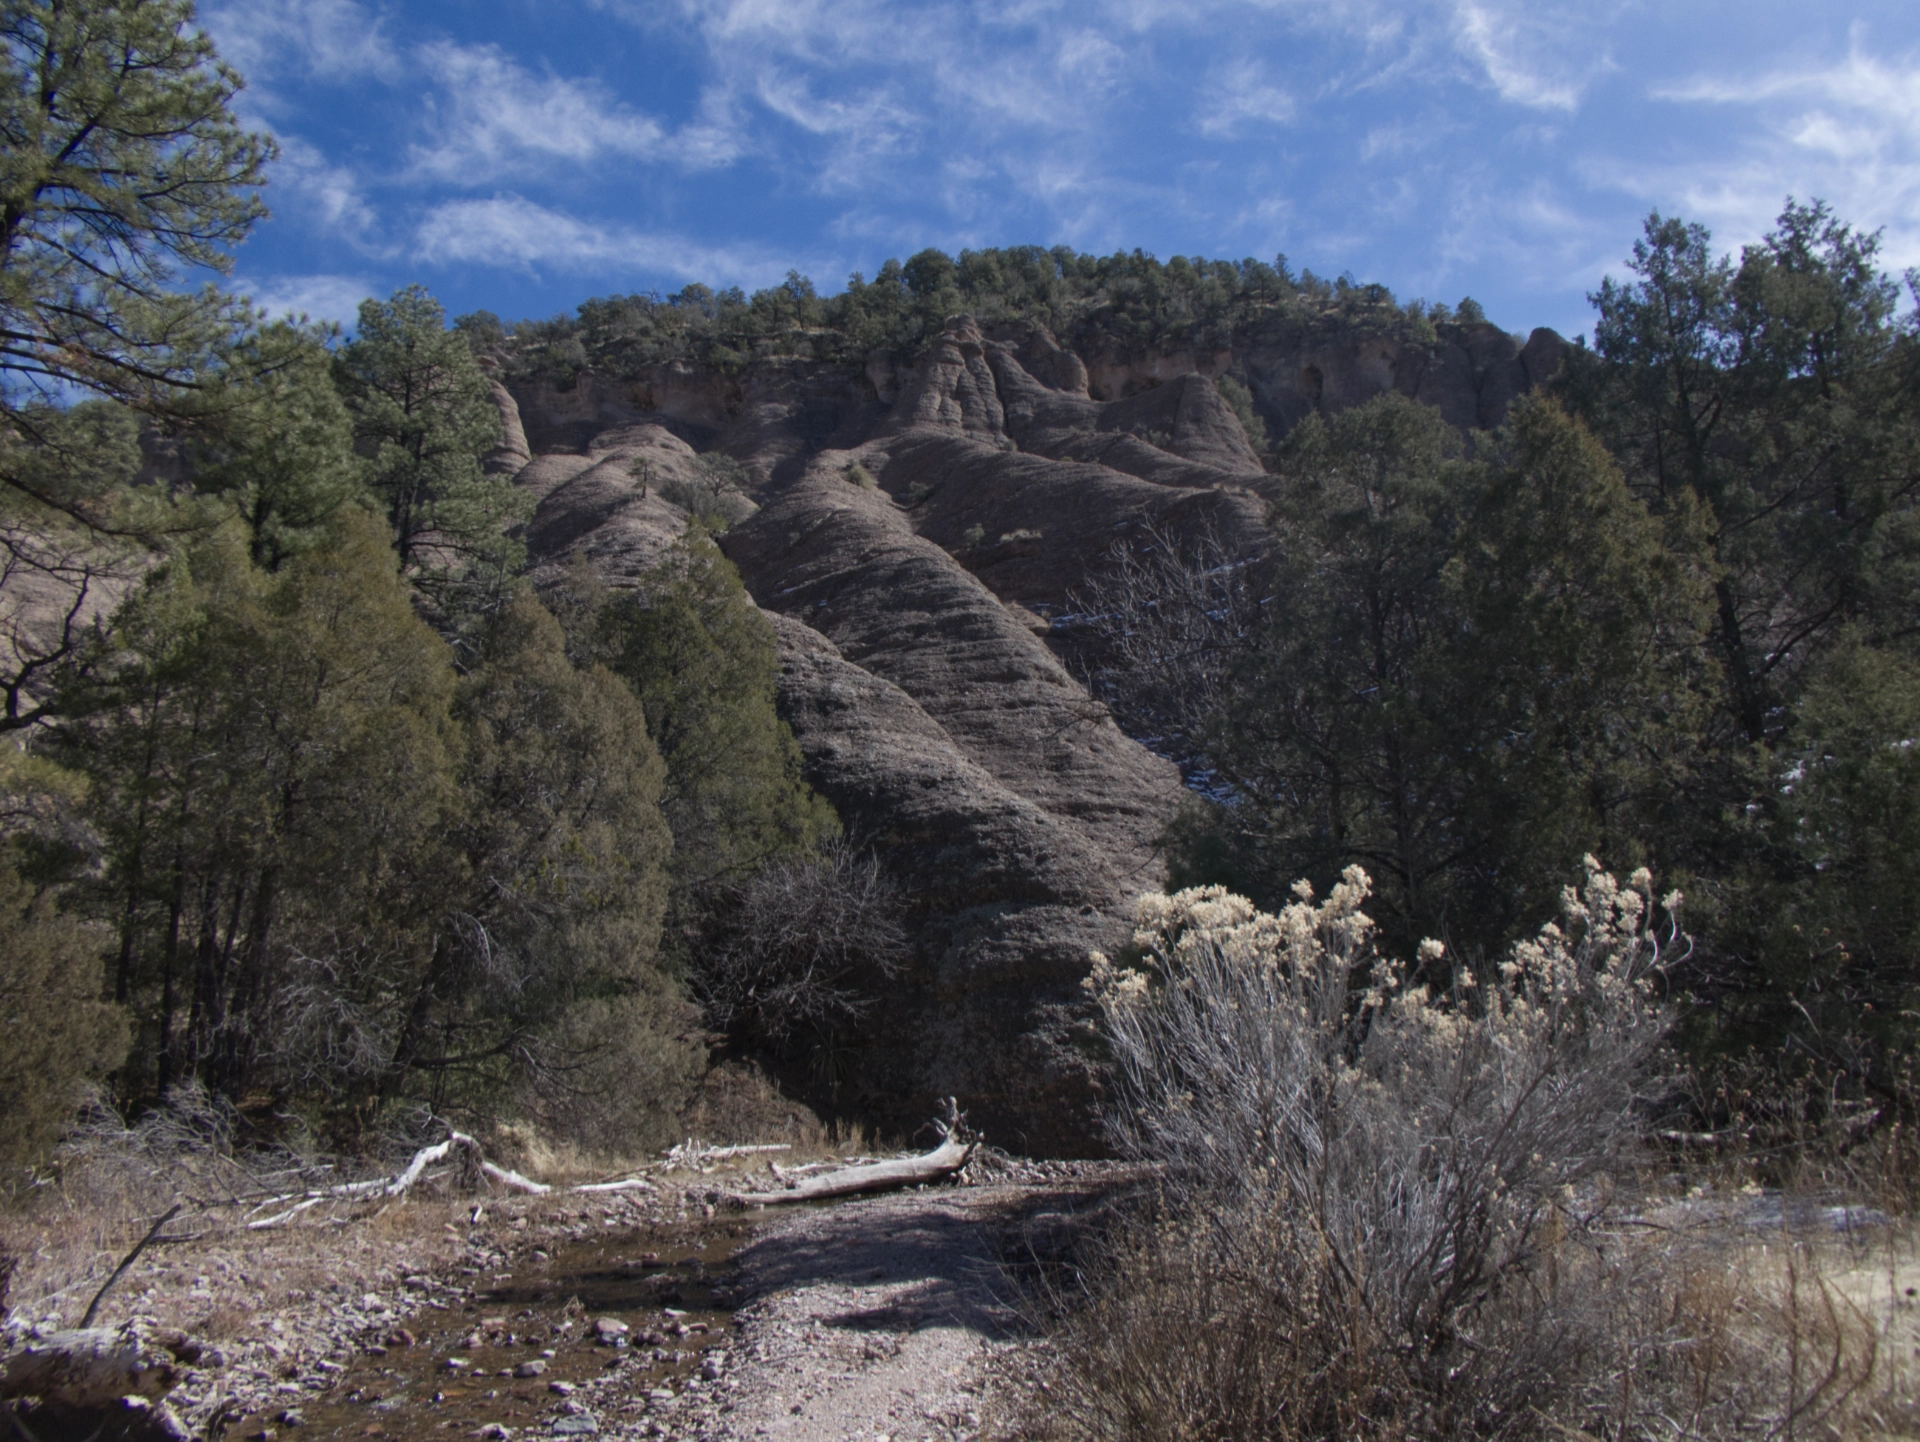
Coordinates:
(279, 445)
(56, 1030)
(1776, 396)
(700, 657)
(272, 761)
(1474, 670)
(545, 983)
(422, 414)
(124, 165)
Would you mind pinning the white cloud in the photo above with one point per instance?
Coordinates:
(1240, 94)
(332, 194)
(1534, 55)
(497, 119)
(326, 39)
(513, 233)
(322, 297)
(1847, 132)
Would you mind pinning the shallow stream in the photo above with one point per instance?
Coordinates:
(629, 1320)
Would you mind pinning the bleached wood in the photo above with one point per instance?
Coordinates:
(942, 1162)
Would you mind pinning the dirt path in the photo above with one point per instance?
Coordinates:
(873, 1319)
(634, 1317)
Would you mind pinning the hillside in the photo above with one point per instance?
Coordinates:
(924, 518)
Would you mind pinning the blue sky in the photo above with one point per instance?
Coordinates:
(522, 155)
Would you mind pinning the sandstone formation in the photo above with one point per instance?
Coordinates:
(920, 527)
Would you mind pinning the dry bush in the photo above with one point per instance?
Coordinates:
(715, 493)
(802, 946)
(1172, 618)
(1370, 1178)
(1629, 1335)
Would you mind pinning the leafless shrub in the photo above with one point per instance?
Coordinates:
(187, 1149)
(1624, 1334)
(1170, 618)
(802, 945)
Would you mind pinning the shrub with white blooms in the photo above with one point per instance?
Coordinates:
(1420, 1135)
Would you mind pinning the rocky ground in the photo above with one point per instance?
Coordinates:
(667, 1312)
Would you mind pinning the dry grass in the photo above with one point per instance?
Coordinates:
(1703, 1330)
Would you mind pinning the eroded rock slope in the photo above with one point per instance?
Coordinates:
(918, 527)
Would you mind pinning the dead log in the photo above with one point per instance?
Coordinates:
(937, 1165)
(89, 1367)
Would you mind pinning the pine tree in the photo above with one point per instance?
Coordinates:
(422, 414)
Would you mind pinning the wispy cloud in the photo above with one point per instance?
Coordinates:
(1847, 131)
(1542, 56)
(332, 196)
(1242, 93)
(323, 39)
(321, 297)
(494, 119)
(511, 232)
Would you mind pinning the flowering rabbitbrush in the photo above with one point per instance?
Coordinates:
(1400, 1144)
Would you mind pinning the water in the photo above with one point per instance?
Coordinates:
(668, 1284)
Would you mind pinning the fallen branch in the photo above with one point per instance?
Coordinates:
(120, 1271)
(631, 1184)
(937, 1165)
(507, 1177)
(691, 1153)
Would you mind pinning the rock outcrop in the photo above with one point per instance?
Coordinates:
(919, 526)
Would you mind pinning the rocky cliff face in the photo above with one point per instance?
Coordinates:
(919, 526)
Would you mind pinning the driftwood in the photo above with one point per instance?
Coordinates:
(942, 1162)
(88, 1367)
(957, 1143)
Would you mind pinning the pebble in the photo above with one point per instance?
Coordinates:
(531, 1368)
(292, 1418)
(560, 1389)
(582, 1426)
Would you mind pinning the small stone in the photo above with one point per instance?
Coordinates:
(532, 1367)
(611, 1327)
(374, 1349)
(454, 1364)
(492, 1432)
(401, 1337)
(560, 1389)
(292, 1418)
(582, 1426)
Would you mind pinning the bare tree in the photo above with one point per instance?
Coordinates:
(1170, 617)
(802, 944)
